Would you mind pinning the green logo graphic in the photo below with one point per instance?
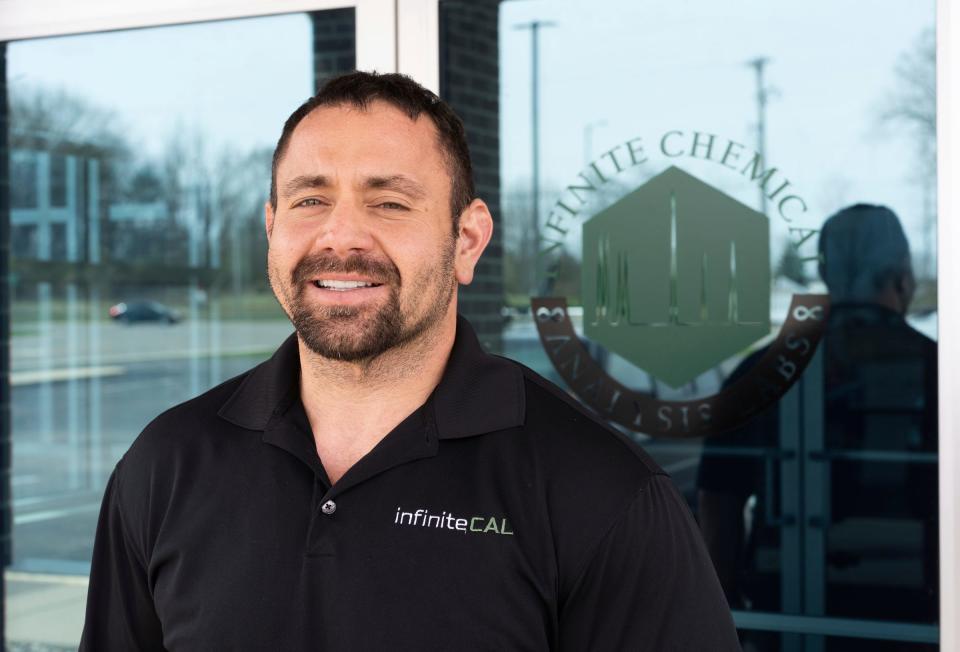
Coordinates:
(676, 277)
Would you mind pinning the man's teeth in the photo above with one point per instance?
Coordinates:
(342, 285)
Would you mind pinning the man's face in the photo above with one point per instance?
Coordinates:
(361, 253)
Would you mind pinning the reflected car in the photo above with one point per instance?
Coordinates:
(147, 311)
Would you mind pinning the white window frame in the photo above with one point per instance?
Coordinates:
(376, 45)
(418, 41)
(392, 35)
(948, 314)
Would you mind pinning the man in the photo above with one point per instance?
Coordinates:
(879, 396)
(381, 483)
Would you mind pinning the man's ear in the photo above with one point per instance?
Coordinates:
(476, 228)
(268, 218)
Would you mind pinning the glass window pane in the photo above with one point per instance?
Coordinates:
(140, 164)
(718, 231)
(23, 180)
(58, 181)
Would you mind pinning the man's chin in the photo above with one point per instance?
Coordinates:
(342, 318)
(344, 350)
(348, 335)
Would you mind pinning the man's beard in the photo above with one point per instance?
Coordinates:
(360, 333)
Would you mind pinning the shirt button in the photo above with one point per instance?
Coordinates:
(328, 507)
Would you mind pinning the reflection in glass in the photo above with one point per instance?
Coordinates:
(868, 454)
(825, 507)
(139, 167)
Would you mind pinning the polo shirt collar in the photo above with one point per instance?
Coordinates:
(478, 393)
(266, 390)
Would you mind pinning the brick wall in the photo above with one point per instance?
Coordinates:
(334, 44)
(470, 82)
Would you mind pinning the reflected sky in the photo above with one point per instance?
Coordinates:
(236, 81)
(621, 69)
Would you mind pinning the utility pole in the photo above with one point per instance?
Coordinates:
(588, 139)
(763, 94)
(535, 27)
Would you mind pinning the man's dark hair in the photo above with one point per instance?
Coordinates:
(359, 89)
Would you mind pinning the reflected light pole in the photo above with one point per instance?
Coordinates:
(535, 27)
(763, 94)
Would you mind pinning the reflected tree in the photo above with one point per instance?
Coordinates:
(58, 117)
(521, 277)
(914, 102)
(912, 105)
(191, 211)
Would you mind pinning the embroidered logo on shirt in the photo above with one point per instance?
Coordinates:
(448, 521)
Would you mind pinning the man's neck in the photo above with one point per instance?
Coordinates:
(352, 406)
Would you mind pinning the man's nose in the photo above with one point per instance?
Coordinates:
(345, 230)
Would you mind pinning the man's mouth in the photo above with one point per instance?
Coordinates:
(343, 286)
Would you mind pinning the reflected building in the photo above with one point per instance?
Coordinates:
(55, 203)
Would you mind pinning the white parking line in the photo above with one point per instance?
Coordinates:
(51, 514)
(68, 373)
(20, 503)
(46, 578)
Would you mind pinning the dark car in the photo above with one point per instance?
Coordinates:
(135, 311)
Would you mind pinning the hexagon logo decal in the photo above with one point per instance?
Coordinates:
(676, 277)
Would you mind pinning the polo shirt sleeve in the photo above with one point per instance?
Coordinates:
(649, 584)
(120, 613)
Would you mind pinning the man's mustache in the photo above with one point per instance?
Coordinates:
(314, 266)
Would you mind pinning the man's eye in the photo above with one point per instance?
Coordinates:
(310, 201)
(392, 206)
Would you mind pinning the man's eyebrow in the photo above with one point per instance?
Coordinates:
(398, 183)
(305, 182)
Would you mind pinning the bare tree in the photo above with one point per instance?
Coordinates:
(913, 105)
(56, 117)
(241, 186)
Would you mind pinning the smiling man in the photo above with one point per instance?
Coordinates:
(381, 483)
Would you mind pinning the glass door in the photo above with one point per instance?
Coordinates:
(718, 231)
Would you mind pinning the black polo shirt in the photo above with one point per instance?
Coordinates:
(498, 516)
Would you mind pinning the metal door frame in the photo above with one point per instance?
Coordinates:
(392, 35)
(948, 305)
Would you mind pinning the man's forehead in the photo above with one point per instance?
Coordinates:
(381, 140)
(331, 121)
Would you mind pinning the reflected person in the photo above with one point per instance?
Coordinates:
(880, 395)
